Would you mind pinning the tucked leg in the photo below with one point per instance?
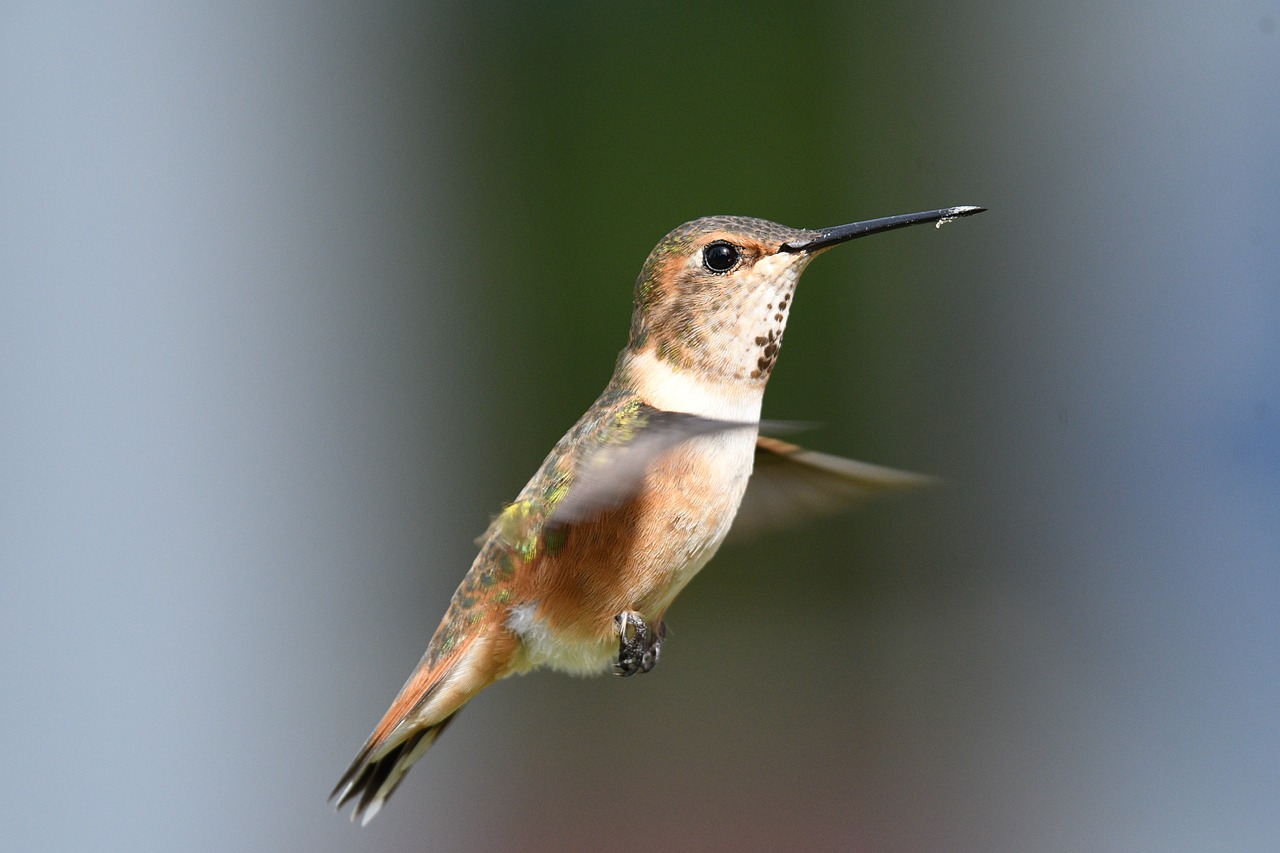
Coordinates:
(639, 644)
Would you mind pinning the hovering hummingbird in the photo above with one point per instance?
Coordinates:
(578, 572)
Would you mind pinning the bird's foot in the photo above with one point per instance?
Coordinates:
(639, 644)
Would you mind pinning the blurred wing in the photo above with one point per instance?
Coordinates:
(791, 484)
(614, 472)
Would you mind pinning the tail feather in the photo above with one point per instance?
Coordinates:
(374, 778)
(427, 703)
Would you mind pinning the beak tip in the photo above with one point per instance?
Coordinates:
(953, 213)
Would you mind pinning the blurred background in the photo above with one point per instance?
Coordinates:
(293, 298)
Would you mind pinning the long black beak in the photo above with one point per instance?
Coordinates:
(841, 233)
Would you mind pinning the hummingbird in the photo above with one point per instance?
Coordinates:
(578, 572)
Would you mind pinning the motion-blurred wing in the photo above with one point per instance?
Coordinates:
(791, 484)
(614, 472)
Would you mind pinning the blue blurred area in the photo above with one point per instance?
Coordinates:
(292, 299)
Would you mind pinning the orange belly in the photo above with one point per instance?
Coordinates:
(635, 557)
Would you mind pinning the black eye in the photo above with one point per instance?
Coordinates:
(720, 256)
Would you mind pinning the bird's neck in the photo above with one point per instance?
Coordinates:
(665, 384)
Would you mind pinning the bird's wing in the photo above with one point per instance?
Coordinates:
(790, 484)
(612, 471)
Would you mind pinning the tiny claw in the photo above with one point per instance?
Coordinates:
(638, 646)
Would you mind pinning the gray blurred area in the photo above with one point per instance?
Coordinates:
(292, 299)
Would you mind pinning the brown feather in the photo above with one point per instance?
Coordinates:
(426, 704)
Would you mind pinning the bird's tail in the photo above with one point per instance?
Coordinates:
(450, 673)
(373, 777)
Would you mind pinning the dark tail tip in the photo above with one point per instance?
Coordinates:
(374, 780)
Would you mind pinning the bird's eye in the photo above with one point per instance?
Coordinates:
(720, 257)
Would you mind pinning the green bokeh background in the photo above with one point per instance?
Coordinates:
(294, 299)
